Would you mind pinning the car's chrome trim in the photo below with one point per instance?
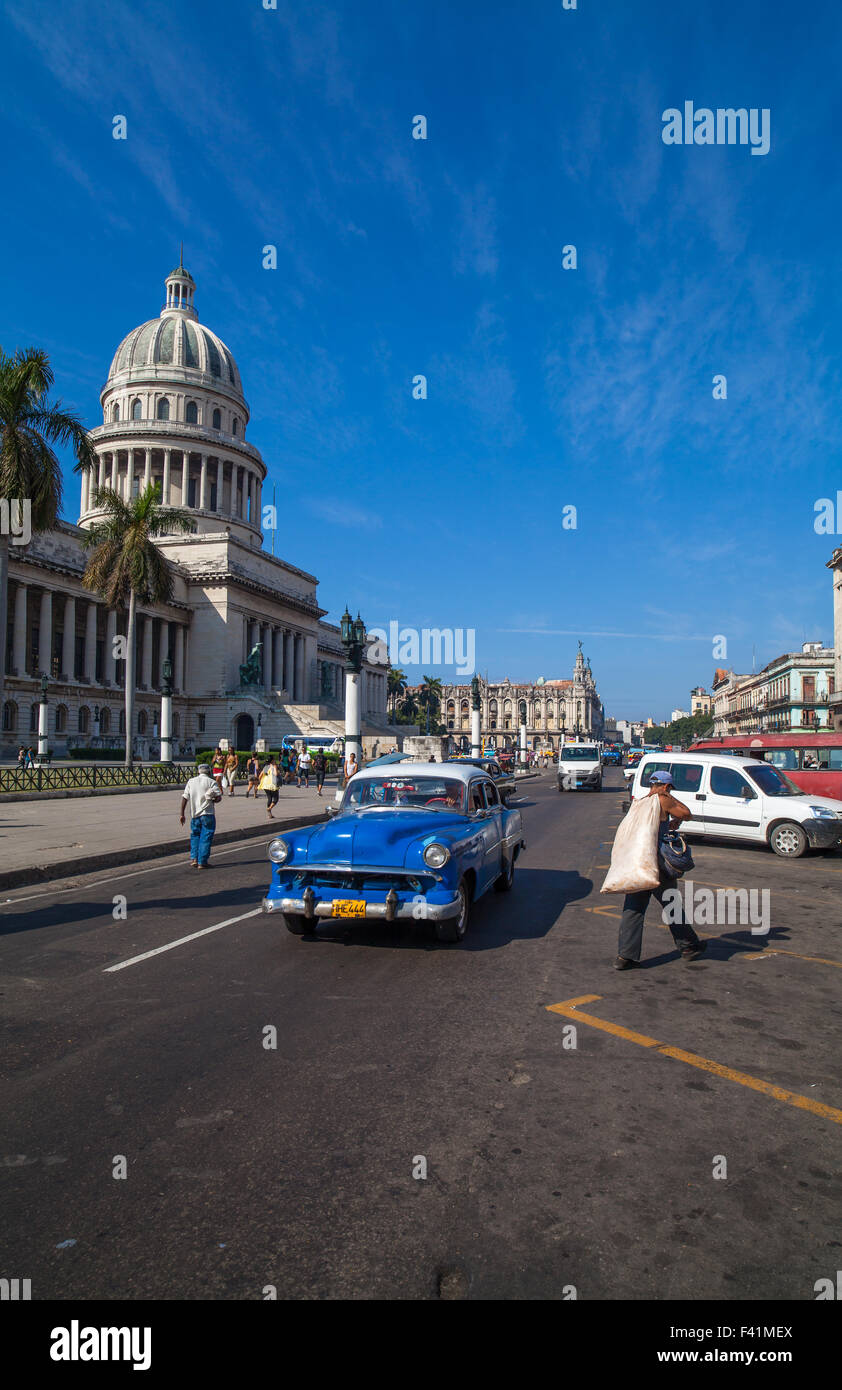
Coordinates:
(301, 907)
(383, 870)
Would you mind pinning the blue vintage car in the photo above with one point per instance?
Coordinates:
(417, 840)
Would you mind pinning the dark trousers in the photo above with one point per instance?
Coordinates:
(634, 912)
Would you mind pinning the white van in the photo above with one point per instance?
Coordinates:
(739, 798)
(579, 765)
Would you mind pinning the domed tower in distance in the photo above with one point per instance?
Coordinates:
(174, 413)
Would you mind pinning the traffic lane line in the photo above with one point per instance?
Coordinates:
(182, 940)
(569, 1008)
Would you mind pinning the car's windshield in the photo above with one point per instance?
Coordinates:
(579, 754)
(421, 793)
(771, 780)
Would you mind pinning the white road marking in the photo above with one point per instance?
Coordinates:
(109, 969)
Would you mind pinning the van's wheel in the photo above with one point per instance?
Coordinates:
(503, 884)
(299, 926)
(788, 840)
(454, 928)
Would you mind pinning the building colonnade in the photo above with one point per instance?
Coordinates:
(187, 478)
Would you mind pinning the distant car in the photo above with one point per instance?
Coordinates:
(421, 841)
(504, 777)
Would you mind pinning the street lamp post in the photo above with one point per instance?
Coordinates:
(166, 711)
(353, 640)
(523, 733)
(476, 715)
(43, 740)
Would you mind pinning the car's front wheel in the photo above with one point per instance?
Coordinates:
(454, 928)
(298, 925)
(788, 840)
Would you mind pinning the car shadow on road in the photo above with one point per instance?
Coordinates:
(527, 913)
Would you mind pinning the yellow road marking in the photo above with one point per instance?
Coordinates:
(604, 911)
(774, 951)
(570, 1009)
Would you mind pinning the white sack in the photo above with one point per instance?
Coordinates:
(634, 854)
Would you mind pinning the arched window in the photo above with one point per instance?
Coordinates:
(136, 410)
(176, 725)
(104, 720)
(84, 719)
(163, 409)
(217, 419)
(236, 428)
(33, 719)
(61, 719)
(141, 721)
(115, 412)
(191, 414)
(122, 723)
(10, 717)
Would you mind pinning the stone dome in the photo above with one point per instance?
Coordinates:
(176, 340)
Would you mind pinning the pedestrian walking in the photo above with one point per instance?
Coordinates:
(200, 794)
(293, 764)
(218, 767)
(284, 763)
(270, 783)
(29, 762)
(253, 775)
(351, 766)
(232, 767)
(304, 761)
(21, 757)
(672, 813)
(320, 768)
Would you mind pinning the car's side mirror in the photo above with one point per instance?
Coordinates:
(746, 791)
(332, 810)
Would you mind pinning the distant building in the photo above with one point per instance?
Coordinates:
(679, 714)
(554, 709)
(700, 701)
(793, 692)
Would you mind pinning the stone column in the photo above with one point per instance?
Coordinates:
(146, 652)
(147, 470)
(167, 465)
(185, 477)
(287, 640)
(278, 658)
(90, 643)
(68, 641)
(19, 653)
(109, 665)
(45, 633)
(220, 477)
(203, 484)
(235, 482)
(258, 503)
(266, 638)
(114, 467)
(178, 659)
(101, 477)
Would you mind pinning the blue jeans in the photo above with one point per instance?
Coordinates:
(201, 837)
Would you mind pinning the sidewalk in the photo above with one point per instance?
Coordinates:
(43, 840)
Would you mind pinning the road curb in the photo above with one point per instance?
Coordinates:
(47, 873)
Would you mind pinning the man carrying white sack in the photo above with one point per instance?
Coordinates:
(672, 812)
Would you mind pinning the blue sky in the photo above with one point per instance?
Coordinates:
(546, 387)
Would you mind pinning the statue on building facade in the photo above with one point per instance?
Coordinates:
(250, 669)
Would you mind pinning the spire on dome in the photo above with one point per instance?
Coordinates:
(180, 289)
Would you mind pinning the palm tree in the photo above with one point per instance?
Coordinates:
(30, 472)
(409, 707)
(126, 564)
(396, 685)
(431, 698)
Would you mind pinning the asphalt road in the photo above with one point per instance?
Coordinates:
(550, 1168)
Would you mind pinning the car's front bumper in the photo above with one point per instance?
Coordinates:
(822, 834)
(391, 909)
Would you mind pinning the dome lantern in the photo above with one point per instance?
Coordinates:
(180, 288)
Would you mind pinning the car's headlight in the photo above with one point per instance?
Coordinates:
(823, 813)
(436, 855)
(278, 851)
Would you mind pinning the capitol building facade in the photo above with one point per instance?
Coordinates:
(174, 413)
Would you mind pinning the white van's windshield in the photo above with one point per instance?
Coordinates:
(579, 753)
(771, 780)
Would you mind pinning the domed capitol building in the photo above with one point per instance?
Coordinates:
(174, 413)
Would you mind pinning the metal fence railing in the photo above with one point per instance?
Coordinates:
(91, 776)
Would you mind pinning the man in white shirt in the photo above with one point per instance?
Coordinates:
(199, 794)
(304, 761)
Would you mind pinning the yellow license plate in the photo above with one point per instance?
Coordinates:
(348, 907)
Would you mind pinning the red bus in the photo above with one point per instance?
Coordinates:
(812, 761)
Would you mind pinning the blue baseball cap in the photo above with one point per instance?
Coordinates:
(664, 777)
